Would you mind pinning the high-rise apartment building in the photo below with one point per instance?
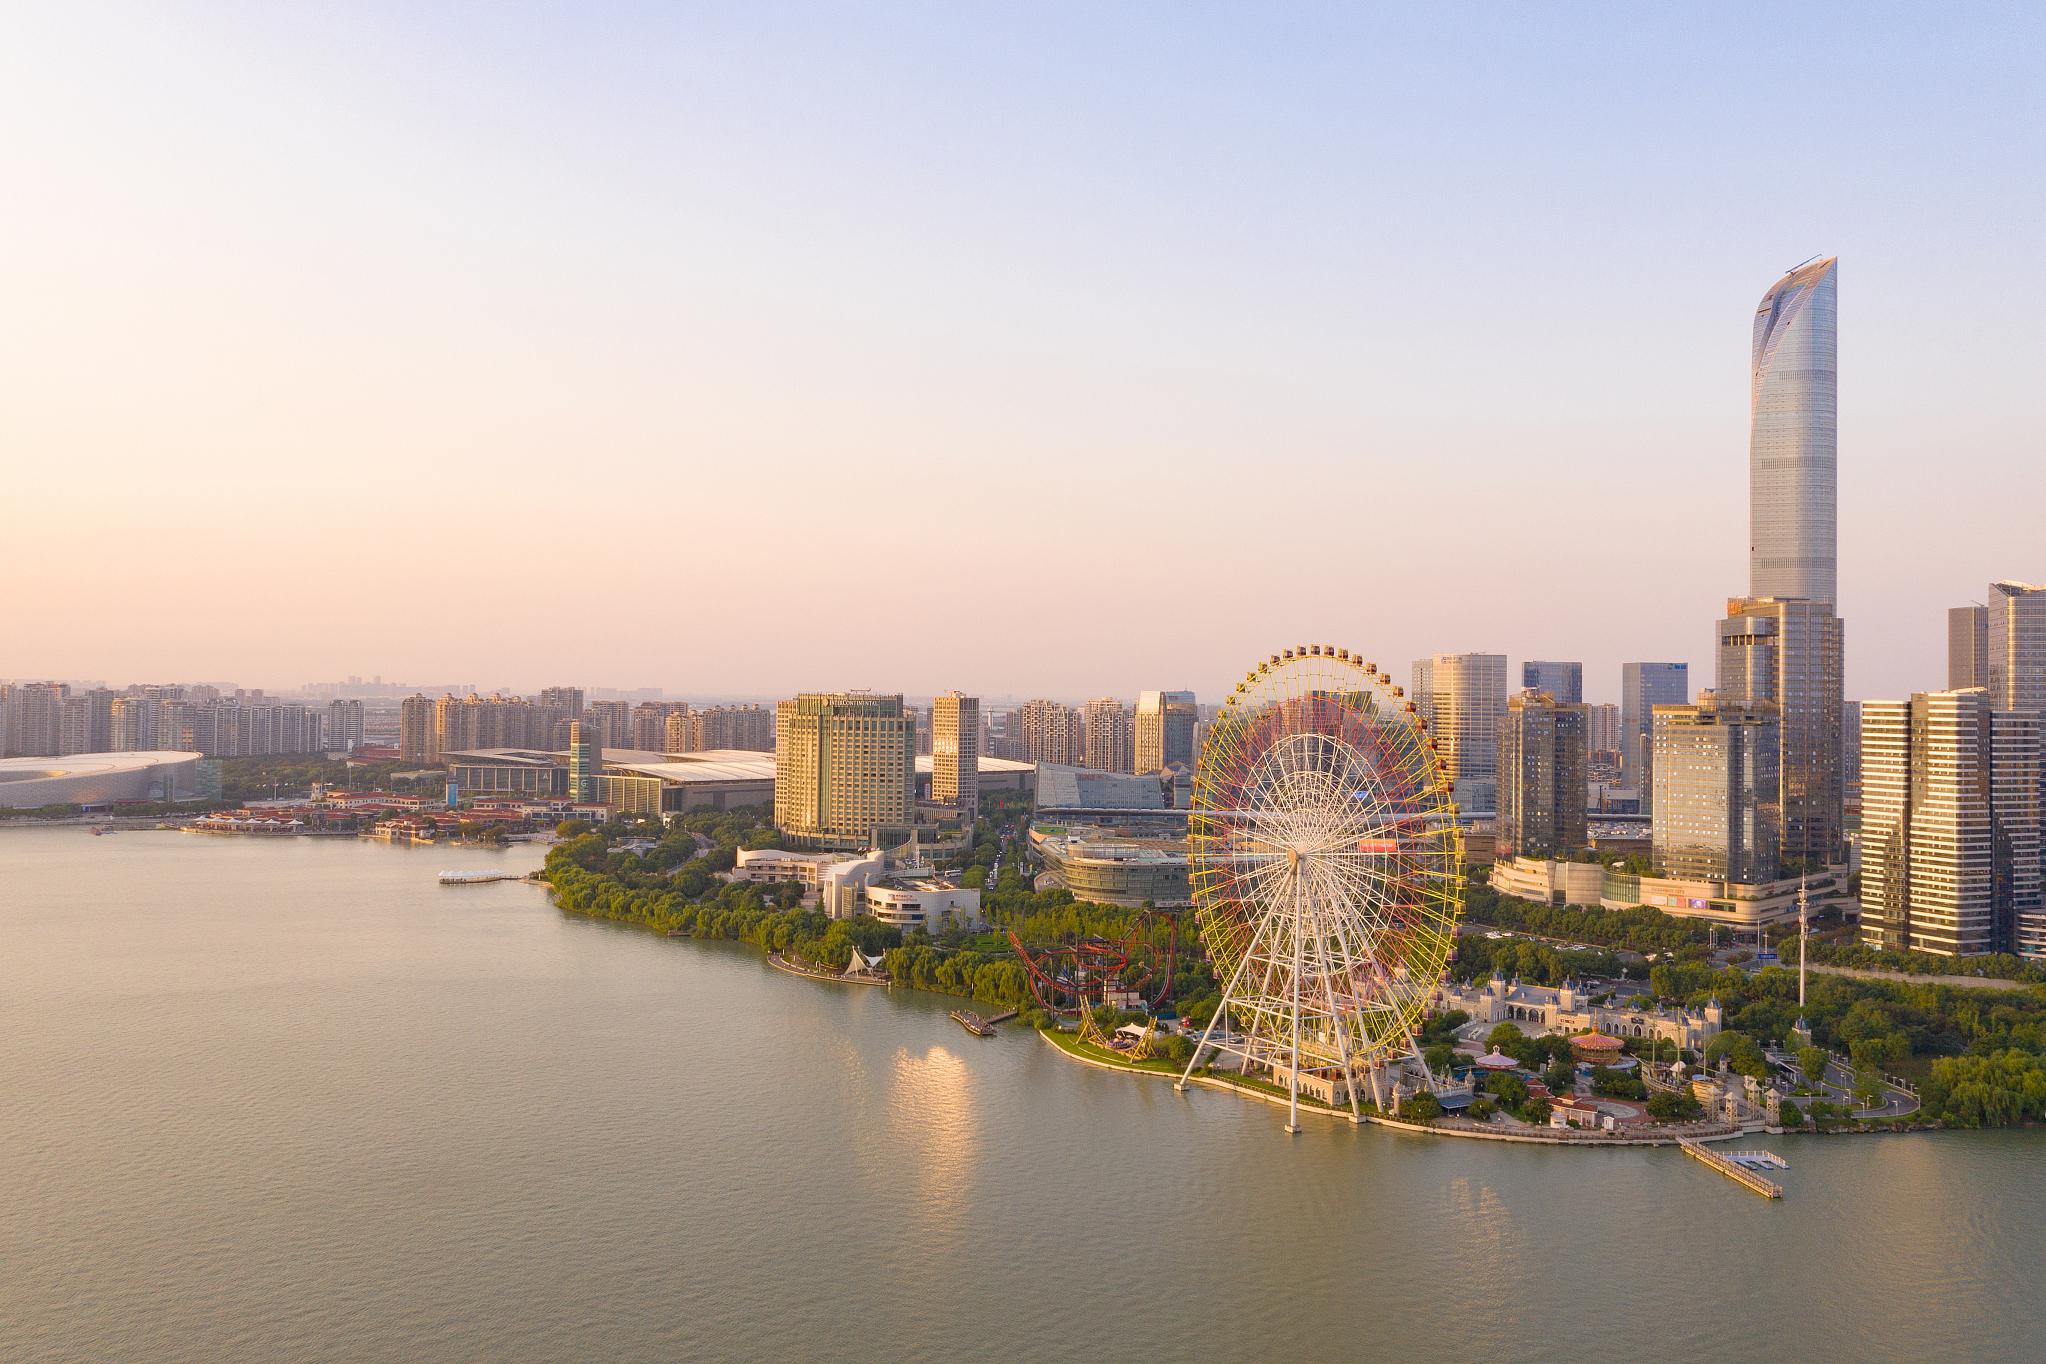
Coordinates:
(86, 722)
(133, 726)
(1422, 689)
(955, 752)
(2017, 647)
(650, 725)
(1164, 730)
(1789, 654)
(32, 719)
(1052, 733)
(1643, 687)
(1793, 452)
(1564, 681)
(1950, 826)
(344, 726)
(614, 722)
(1465, 708)
(845, 770)
(1541, 776)
(416, 730)
(1111, 735)
(1967, 647)
(1716, 791)
(567, 700)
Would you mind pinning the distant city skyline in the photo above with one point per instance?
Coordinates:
(676, 350)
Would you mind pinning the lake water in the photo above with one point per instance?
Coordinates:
(293, 1100)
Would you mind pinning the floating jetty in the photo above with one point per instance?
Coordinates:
(973, 1023)
(1733, 1169)
(477, 878)
(1758, 1160)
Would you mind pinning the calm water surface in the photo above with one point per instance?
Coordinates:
(293, 1100)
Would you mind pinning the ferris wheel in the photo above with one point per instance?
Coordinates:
(1326, 863)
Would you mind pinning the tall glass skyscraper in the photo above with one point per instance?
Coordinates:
(1793, 451)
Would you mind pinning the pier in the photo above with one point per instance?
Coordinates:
(477, 878)
(973, 1023)
(1739, 1174)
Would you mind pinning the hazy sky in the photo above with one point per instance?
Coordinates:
(1028, 349)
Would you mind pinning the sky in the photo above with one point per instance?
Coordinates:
(1035, 349)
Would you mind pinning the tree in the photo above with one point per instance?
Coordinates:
(1560, 1077)
(1674, 1106)
(1741, 1051)
(1422, 1107)
(1609, 1083)
(571, 828)
(1440, 1056)
(1509, 1088)
(1504, 1036)
(1789, 1114)
(1812, 1062)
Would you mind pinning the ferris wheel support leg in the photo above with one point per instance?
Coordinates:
(1428, 1076)
(1221, 1009)
(1293, 1079)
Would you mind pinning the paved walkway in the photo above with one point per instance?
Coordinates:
(1869, 973)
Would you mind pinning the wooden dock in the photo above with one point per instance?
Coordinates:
(1739, 1174)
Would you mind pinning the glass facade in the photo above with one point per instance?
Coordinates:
(1643, 687)
(1793, 453)
(1789, 654)
(1716, 792)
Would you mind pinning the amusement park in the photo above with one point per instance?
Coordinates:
(1325, 862)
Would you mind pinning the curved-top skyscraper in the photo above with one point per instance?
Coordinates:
(1793, 453)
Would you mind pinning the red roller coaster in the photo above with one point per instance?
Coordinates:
(1134, 972)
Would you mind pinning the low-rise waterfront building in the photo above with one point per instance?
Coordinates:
(1117, 866)
(1592, 886)
(1569, 1008)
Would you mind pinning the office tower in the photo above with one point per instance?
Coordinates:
(845, 770)
(1564, 681)
(1422, 690)
(1541, 776)
(1967, 647)
(1950, 826)
(955, 752)
(1465, 709)
(2017, 646)
(1850, 749)
(34, 719)
(416, 742)
(567, 700)
(1793, 456)
(344, 726)
(1111, 735)
(1716, 791)
(1789, 653)
(1163, 734)
(1643, 687)
(585, 760)
(1052, 733)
